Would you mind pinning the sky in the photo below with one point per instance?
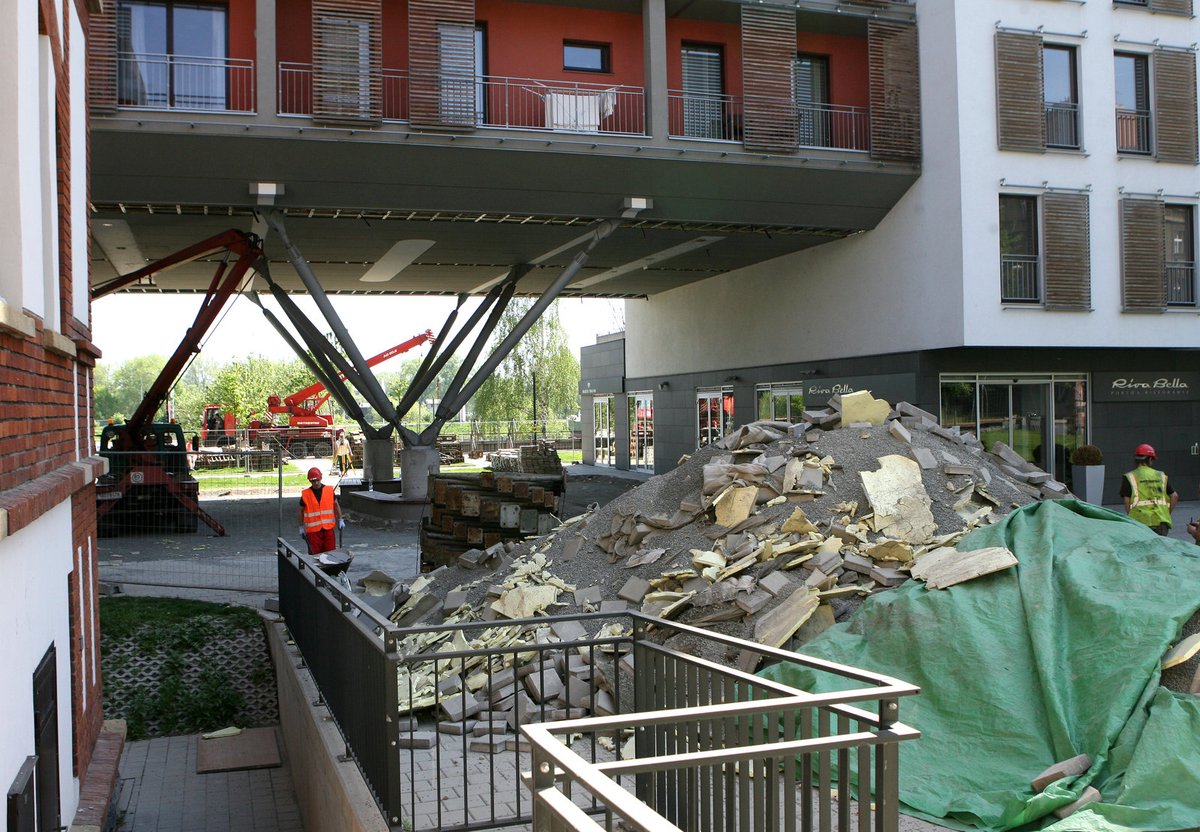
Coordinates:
(128, 326)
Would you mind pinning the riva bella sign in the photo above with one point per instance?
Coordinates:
(1146, 387)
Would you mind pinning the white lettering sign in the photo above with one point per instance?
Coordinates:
(1157, 384)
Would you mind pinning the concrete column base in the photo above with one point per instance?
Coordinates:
(416, 464)
(377, 460)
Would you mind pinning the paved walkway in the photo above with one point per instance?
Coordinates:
(160, 791)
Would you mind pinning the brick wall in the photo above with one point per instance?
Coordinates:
(85, 633)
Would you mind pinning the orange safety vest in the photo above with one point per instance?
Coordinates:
(318, 515)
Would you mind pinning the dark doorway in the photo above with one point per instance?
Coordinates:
(45, 741)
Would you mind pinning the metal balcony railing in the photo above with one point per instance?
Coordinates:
(152, 81)
(834, 126)
(704, 116)
(1181, 282)
(494, 101)
(1020, 278)
(1062, 125)
(1133, 131)
(719, 118)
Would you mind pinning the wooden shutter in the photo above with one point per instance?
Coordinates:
(441, 62)
(1066, 245)
(1143, 284)
(768, 51)
(102, 61)
(1175, 106)
(1181, 7)
(895, 88)
(347, 61)
(1020, 107)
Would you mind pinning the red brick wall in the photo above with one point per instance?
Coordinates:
(85, 631)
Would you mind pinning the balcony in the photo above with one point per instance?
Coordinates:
(1020, 278)
(1133, 131)
(709, 117)
(490, 101)
(189, 83)
(1181, 282)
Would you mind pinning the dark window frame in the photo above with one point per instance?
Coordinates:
(1015, 265)
(1062, 117)
(603, 49)
(169, 7)
(1180, 274)
(1135, 128)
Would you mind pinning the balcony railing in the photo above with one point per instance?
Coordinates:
(1062, 125)
(1133, 131)
(494, 101)
(1020, 278)
(1181, 282)
(197, 83)
(719, 118)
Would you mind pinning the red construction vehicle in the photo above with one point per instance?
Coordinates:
(148, 483)
(218, 426)
(296, 422)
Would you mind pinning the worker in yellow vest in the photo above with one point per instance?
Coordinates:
(1149, 498)
(320, 515)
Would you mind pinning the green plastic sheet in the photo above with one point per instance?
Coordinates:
(1018, 670)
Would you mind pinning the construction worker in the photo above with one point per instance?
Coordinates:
(1149, 498)
(320, 515)
(341, 453)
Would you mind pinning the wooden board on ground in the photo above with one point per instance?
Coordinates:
(775, 627)
(253, 748)
(968, 566)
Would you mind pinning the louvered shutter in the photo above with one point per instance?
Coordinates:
(102, 61)
(1020, 109)
(1066, 246)
(347, 59)
(895, 87)
(768, 52)
(441, 59)
(1182, 7)
(1175, 106)
(1143, 284)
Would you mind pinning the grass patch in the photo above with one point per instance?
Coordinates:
(161, 621)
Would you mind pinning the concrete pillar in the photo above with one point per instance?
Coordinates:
(587, 429)
(264, 58)
(416, 464)
(377, 460)
(621, 429)
(654, 48)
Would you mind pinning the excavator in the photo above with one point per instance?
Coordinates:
(148, 481)
(295, 422)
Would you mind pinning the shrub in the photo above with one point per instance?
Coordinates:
(1087, 455)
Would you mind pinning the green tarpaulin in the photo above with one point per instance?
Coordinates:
(1056, 657)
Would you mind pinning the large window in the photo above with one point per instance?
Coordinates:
(1179, 255)
(811, 81)
(714, 414)
(641, 431)
(1132, 76)
(1061, 96)
(172, 55)
(1020, 271)
(1041, 417)
(703, 92)
(783, 402)
(603, 431)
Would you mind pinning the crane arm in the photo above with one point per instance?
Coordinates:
(316, 389)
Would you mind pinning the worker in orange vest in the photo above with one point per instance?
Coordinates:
(320, 515)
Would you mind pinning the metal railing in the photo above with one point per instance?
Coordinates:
(720, 118)
(294, 94)
(1133, 131)
(1062, 125)
(703, 736)
(1181, 283)
(704, 116)
(834, 126)
(1020, 278)
(153, 81)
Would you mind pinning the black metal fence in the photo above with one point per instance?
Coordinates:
(446, 723)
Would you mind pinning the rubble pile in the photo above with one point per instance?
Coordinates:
(770, 535)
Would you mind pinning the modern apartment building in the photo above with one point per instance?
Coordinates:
(1037, 284)
(50, 652)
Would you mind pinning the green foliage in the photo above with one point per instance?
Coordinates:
(125, 617)
(119, 390)
(397, 383)
(245, 385)
(542, 354)
(1087, 455)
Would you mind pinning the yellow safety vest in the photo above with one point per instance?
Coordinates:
(1148, 499)
(318, 515)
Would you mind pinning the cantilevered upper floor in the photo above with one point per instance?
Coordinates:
(754, 129)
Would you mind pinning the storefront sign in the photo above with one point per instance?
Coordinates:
(893, 387)
(593, 386)
(1146, 387)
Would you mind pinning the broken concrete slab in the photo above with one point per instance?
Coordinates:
(901, 433)
(734, 505)
(967, 566)
(634, 590)
(592, 595)
(418, 739)
(775, 583)
(777, 625)
(863, 407)
(1070, 767)
(899, 500)
(925, 458)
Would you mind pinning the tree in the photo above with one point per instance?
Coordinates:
(245, 385)
(397, 385)
(120, 389)
(541, 363)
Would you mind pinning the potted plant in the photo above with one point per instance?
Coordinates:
(1087, 474)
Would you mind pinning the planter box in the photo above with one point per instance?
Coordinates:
(1087, 481)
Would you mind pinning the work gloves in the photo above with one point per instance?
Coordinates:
(341, 524)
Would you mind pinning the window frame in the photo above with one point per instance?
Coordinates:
(1034, 259)
(169, 7)
(1057, 110)
(1187, 268)
(603, 49)
(1139, 121)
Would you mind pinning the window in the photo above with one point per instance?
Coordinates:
(1045, 250)
(783, 402)
(1180, 7)
(586, 57)
(1179, 255)
(714, 415)
(172, 55)
(811, 88)
(1061, 96)
(641, 431)
(1020, 272)
(703, 92)
(1133, 103)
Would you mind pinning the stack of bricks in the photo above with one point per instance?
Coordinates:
(539, 458)
(480, 510)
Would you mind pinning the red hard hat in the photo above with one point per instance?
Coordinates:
(1145, 450)
(315, 473)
